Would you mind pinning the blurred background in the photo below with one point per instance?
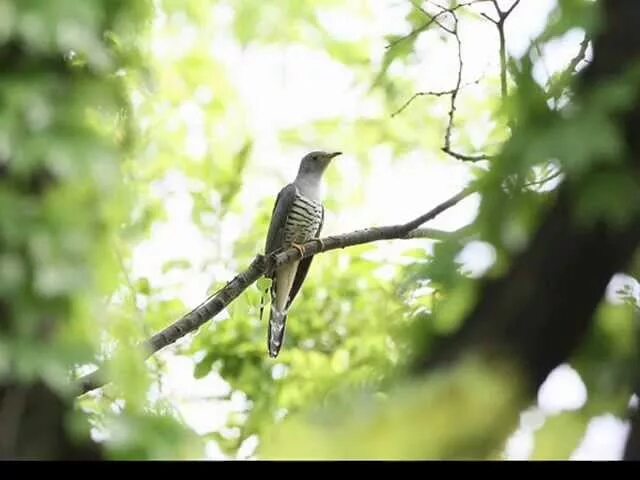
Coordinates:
(142, 145)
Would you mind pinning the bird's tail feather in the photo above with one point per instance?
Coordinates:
(277, 325)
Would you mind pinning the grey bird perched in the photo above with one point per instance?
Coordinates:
(297, 217)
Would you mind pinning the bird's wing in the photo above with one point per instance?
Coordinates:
(279, 214)
(303, 268)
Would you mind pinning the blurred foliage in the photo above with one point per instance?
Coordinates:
(413, 422)
(118, 117)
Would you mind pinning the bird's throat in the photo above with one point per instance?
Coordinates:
(309, 186)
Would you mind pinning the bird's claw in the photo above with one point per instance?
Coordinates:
(300, 249)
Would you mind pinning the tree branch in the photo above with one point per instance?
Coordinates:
(432, 19)
(452, 108)
(557, 85)
(441, 93)
(452, 93)
(262, 265)
(502, 18)
(464, 157)
(435, 234)
(420, 94)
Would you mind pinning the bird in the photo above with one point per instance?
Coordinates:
(297, 217)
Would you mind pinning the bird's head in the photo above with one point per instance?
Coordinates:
(316, 162)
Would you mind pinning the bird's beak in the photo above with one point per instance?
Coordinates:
(334, 154)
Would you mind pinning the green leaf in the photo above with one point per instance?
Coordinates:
(203, 367)
(559, 436)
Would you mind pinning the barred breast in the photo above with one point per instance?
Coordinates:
(303, 220)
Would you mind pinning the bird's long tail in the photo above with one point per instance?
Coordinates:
(277, 326)
(277, 323)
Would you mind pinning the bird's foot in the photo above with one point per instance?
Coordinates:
(300, 249)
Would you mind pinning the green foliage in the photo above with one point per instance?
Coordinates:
(447, 417)
(559, 436)
(336, 339)
(63, 140)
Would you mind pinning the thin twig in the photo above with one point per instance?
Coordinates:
(544, 180)
(556, 86)
(464, 157)
(536, 46)
(491, 19)
(454, 95)
(420, 94)
(262, 265)
(430, 94)
(452, 108)
(502, 18)
(573, 64)
(432, 19)
(510, 9)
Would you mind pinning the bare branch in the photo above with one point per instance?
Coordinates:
(433, 19)
(584, 44)
(466, 158)
(510, 9)
(454, 95)
(452, 109)
(491, 19)
(262, 265)
(502, 18)
(420, 94)
(435, 234)
(544, 180)
(557, 85)
(503, 60)
(430, 94)
(413, 33)
(503, 14)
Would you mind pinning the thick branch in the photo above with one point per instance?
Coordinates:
(265, 265)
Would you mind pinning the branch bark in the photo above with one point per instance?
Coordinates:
(262, 265)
